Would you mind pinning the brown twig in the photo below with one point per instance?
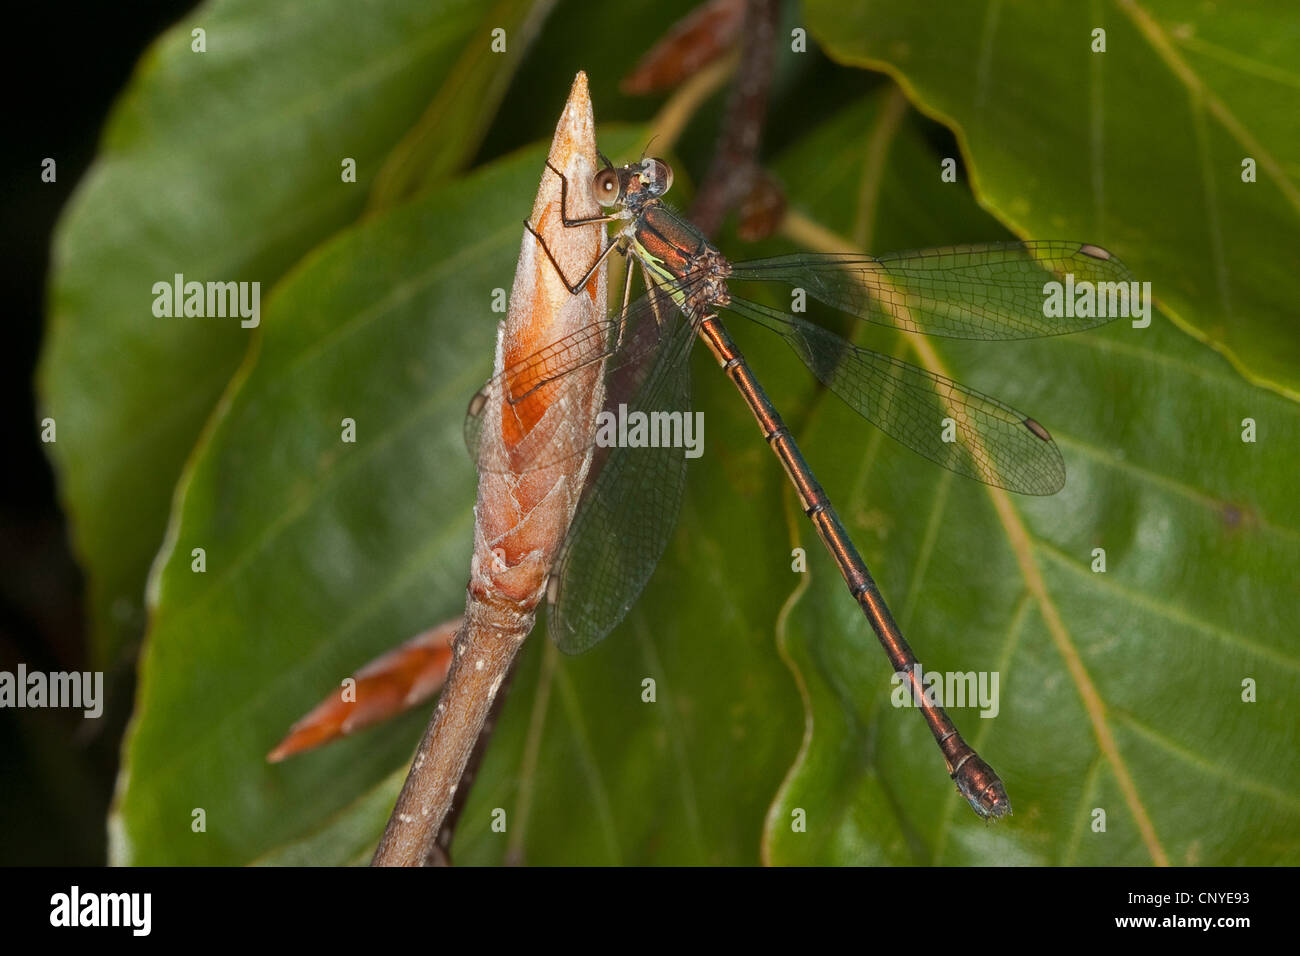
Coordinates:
(735, 163)
(442, 844)
(483, 658)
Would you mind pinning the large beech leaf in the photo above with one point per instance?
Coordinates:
(1120, 691)
(1195, 606)
(223, 165)
(1140, 147)
(319, 553)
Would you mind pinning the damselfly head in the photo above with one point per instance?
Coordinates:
(633, 184)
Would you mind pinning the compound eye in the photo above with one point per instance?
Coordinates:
(657, 176)
(605, 187)
(664, 173)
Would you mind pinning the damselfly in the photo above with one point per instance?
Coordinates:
(630, 504)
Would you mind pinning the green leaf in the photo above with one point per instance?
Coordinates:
(1140, 148)
(319, 554)
(455, 122)
(1200, 532)
(223, 165)
(348, 838)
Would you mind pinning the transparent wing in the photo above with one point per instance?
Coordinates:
(628, 510)
(987, 291)
(540, 394)
(989, 441)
